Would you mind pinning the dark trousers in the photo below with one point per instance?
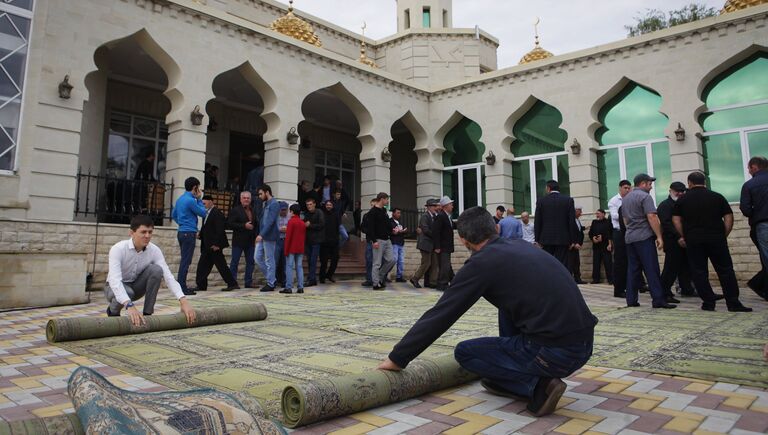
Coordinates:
(620, 266)
(313, 251)
(369, 261)
(249, 263)
(445, 275)
(280, 261)
(716, 252)
(558, 251)
(601, 257)
(145, 285)
(328, 252)
(676, 267)
(574, 264)
(517, 363)
(187, 240)
(642, 256)
(208, 259)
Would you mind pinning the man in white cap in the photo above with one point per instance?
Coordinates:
(442, 239)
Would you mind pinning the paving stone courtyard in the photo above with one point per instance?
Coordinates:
(34, 373)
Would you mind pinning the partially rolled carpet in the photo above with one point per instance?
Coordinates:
(84, 328)
(317, 400)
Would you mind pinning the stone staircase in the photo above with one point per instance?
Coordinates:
(351, 261)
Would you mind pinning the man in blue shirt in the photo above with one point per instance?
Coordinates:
(267, 238)
(188, 207)
(509, 227)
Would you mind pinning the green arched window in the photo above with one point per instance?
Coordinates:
(632, 141)
(735, 124)
(464, 170)
(539, 150)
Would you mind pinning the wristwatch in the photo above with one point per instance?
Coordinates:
(129, 304)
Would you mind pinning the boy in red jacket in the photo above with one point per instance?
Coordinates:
(295, 236)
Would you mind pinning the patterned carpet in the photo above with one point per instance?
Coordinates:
(319, 336)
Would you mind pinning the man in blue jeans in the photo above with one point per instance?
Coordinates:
(754, 204)
(267, 238)
(188, 207)
(544, 335)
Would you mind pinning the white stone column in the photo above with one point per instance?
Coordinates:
(281, 164)
(680, 104)
(498, 177)
(429, 185)
(186, 153)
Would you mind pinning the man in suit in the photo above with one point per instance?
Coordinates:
(555, 216)
(601, 234)
(574, 260)
(442, 238)
(425, 246)
(676, 258)
(243, 223)
(213, 240)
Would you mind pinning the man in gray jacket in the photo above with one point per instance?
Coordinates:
(426, 246)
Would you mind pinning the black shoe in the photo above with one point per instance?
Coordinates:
(267, 288)
(719, 297)
(286, 291)
(672, 300)
(643, 289)
(322, 280)
(708, 306)
(109, 313)
(622, 295)
(387, 280)
(378, 287)
(301, 290)
(401, 280)
(310, 283)
(190, 292)
(415, 283)
(547, 393)
(636, 304)
(595, 282)
(740, 309)
(249, 286)
(498, 390)
(230, 288)
(367, 284)
(331, 280)
(199, 289)
(581, 282)
(665, 305)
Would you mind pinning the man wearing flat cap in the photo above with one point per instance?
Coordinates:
(213, 239)
(675, 259)
(442, 237)
(425, 245)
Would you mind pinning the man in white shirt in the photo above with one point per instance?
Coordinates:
(136, 268)
(528, 234)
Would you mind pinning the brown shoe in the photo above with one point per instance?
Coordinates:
(545, 397)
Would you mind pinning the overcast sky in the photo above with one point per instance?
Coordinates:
(566, 25)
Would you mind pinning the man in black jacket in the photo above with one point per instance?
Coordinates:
(426, 246)
(574, 251)
(213, 239)
(754, 204)
(442, 239)
(381, 230)
(601, 234)
(675, 258)
(555, 217)
(315, 222)
(244, 225)
(365, 228)
(329, 249)
(544, 335)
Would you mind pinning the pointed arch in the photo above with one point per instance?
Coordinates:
(610, 94)
(419, 136)
(727, 64)
(628, 113)
(361, 113)
(265, 92)
(515, 116)
(444, 141)
(537, 124)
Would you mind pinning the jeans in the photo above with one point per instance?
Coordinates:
(293, 262)
(265, 258)
(761, 234)
(187, 240)
(517, 363)
(368, 261)
(399, 253)
(718, 253)
(383, 260)
(280, 260)
(249, 263)
(313, 251)
(642, 256)
(343, 235)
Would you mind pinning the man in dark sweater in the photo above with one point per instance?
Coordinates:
(754, 204)
(315, 222)
(601, 234)
(381, 230)
(544, 335)
(675, 258)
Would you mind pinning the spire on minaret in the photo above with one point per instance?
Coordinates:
(364, 59)
(537, 53)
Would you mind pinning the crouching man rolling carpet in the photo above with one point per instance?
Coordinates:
(545, 328)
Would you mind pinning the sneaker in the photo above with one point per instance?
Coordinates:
(301, 290)
(415, 283)
(547, 393)
(267, 288)
(286, 291)
(400, 280)
(109, 313)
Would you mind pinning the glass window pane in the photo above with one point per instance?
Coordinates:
(521, 186)
(724, 165)
(735, 118)
(662, 170)
(450, 184)
(347, 161)
(635, 162)
(120, 123)
(608, 175)
(117, 156)
(470, 188)
(139, 151)
(24, 4)
(745, 82)
(333, 160)
(319, 157)
(462, 144)
(543, 170)
(145, 127)
(538, 132)
(563, 177)
(427, 18)
(7, 150)
(483, 188)
(758, 143)
(632, 116)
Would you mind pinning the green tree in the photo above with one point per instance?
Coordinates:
(655, 19)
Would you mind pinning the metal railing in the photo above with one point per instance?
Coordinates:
(117, 200)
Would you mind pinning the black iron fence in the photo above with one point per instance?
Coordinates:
(409, 218)
(116, 200)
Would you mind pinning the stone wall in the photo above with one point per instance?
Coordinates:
(42, 279)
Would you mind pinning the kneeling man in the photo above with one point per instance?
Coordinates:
(545, 327)
(136, 268)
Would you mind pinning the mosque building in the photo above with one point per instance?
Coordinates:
(92, 88)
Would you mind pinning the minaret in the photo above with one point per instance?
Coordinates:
(421, 14)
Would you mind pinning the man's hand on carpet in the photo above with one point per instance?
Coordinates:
(136, 318)
(186, 308)
(387, 364)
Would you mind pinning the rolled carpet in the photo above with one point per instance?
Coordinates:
(67, 424)
(327, 398)
(84, 328)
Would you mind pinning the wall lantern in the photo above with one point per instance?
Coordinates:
(576, 147)
(196, 116)
(292, 137)
(680, 133)
(65, 88)
(490, 159)
(386, 155)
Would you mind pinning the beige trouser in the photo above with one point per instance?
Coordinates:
(428, 262)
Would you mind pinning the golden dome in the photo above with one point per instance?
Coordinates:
(737, 5)
(295, 27)
(537, 53)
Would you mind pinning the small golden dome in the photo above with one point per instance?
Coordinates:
(737, 5)
(295, 27)
(537, 53)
